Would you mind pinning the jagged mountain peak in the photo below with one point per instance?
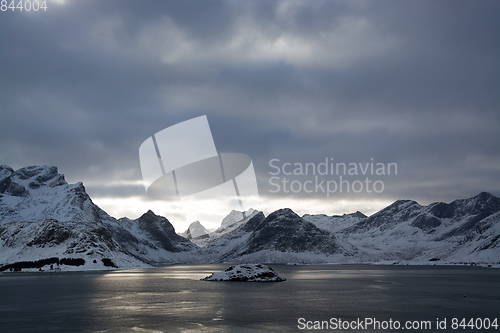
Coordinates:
(482, 203)
(162, 233)
(483, 200)
(236, 221)
(485, 196)
(195, 230)
(150, 219)
(357, 214)
(335, 223)
(42, 216)
(284, 230)
(278, 216)
(253, 221)
(22, 181)
(282, 213)
(401, 208)
(399, 211)
(39, 192)
(235, 216)
(150, 215)
(401, 204)
(196, 224)
(41, 173)
(462, 227)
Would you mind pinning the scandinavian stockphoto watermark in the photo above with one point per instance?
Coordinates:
(329, 177)
(181, 163)
(373, 324)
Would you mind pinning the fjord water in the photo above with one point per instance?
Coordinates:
(172, 299)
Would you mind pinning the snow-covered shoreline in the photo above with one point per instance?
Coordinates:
(89, 268)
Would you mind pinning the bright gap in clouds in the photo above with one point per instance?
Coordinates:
(210, 212)
(134, 207)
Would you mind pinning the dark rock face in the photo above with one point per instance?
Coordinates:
(162, 232)
(283, 230)
(28, 172)
(33, 185)
(16, 190)
(426, 223)
(47, 174)
(4, 184)
(442, 210)
(358, 214)
(483, 204)
(473, 210)
(491, 244)
(253, 222)
(54, 233)
(40, 176)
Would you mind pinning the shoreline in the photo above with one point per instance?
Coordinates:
(384, 264)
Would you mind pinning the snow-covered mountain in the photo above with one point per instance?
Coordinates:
(281, 237)
(40, 192)
(236, 217)
(153, 239)
(231, 222)
(336, 222)
(195, 230)
(45, 221)
(464, 230)
(42, 217)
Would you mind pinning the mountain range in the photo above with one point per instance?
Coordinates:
(46, 222)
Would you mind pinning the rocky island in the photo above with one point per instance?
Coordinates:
(248, 273)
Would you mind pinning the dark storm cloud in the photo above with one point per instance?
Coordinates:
(415, 83)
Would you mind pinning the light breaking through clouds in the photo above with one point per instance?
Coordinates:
(84, 83)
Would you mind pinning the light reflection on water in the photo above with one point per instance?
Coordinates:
(184, 272)
(172, 299)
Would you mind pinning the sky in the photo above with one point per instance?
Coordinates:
(414, 84)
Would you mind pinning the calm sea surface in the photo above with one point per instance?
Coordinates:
(172, 299)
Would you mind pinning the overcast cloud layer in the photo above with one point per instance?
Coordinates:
(417, 83)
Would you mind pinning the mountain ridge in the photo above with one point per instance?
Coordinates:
(43, 217)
